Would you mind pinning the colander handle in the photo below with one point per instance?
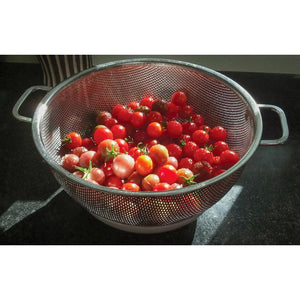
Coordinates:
(283, 122)
(24, 96)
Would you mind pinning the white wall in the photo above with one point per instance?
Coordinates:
(289, 64)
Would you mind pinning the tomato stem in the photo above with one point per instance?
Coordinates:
(143, 148)
(144, 109)
(190, 181)
(111, 153)
(85, 171)
(210, 147)
(66, 140)
(205, 129)
(129, 139)
(189, 120)
(164, 124)
(182, 143)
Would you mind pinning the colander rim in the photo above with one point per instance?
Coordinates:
(40, 110)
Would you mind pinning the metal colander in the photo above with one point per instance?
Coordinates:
(73, 104)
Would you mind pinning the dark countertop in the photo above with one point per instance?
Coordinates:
(263, 208)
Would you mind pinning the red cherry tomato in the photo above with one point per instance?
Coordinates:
(154, 130)
(190, 127)
(147, 101)
(174, 150)
(69, 162)
(154, 116)
(218, 133)
(217, 161)
(135, 152)
(186, 163)
(131, 186)
(108, 149)
(218, 172)
(102, 117)
(140, 136)
(119, 131)
(172, 111)
(117, 109)
(184, 139)
(138, 119)
(189, 148)
(94, 148)
(203, 154)
(111, 122)
(198, 119)
(165, 139)
(174, 129)
(124, 115)
(200, 137)
(113, 182)
(186, 112)
(179, 98)
(130, 130)
(219, 147)
(88, 143)
(185, 127)
(107, 169)
(102, 133)
(133, 105)
(228, 158)
(144, 109)
(123, 145)
(203, 170)
(168, 174)
(205, 128)
(163, 186)
(160, 106)
(151, 142)
(144, 165)
(72, 140)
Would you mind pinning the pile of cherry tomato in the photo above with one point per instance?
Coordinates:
(144, 147)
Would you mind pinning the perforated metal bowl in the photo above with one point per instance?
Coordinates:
(71, 106)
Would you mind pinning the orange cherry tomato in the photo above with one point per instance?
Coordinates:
(154, 130)
(144, 165)
(131, 186)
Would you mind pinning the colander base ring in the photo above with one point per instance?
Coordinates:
(146, 229)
